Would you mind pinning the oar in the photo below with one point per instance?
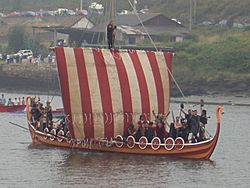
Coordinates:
(20, 126)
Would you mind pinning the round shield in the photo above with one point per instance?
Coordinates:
(45, 131)
(119, 141)
(130, 141)
(179, 143)
(155, 143)
(143, 142)
(68, 137)
(52, 132)
(60, 135)
(169, 143)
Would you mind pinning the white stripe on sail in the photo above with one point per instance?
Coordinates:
(95, 95)
(134, 85)
(148, 72)
(164, 77)
(115, 91)
(75, 96)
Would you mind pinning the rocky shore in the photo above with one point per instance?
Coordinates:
(43, 79)
(29, 78)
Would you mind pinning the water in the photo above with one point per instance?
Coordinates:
(23, 165)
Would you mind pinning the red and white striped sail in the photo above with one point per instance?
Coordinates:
(104, 91)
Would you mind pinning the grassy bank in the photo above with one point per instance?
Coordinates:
(215, 61)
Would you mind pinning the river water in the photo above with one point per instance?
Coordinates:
(23, 165)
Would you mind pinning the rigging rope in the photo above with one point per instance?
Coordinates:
(177, 85)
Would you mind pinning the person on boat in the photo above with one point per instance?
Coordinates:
(15, 101)
(150, 131)
(42, 123)
(131, 130)
(48, 111)
(188, 122)
(37, 111)
(110, 30)
(160, 117)
(177, 125)
(140, 128)
(184, 130)
(161, 132)
(188, 115)
(10, 103)
(63, 125)
(19, 101)
(203, 122)
(194, 129)
(3, 100)
(181, 128)
(172, 131)
(23, 101)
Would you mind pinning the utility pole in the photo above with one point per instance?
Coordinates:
(113, 10)
(195, 5)
(190, 14)
(81, 5)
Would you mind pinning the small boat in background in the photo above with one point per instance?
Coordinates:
(12, 108)
(58, 112)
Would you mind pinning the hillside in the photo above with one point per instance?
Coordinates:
(213, 60)
(210, 10)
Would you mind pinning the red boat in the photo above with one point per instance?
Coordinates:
(58, 112)
(104, 91)
(13, 108)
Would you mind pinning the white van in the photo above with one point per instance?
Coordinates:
(24, 53)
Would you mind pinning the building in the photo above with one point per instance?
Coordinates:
(131, 29)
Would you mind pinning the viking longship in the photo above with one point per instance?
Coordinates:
(104, 91)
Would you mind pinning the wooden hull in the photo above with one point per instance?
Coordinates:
(201, 150)
(13, 109)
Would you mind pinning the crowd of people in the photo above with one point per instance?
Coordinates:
(10, 102)
(188, 125)
(42, 117)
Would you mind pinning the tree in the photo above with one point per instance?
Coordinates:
(17, 38)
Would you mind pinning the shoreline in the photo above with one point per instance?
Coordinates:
(192, 99)
(43, 80)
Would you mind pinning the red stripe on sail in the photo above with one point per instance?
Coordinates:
(85, 93)
(64, 84)
(158, 81)
(142, 83)
(168, 57)
(105, 94)
(125, 92)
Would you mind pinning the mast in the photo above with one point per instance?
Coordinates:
(113, 10)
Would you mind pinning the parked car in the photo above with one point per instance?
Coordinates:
(2, 14)
(24, 54)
